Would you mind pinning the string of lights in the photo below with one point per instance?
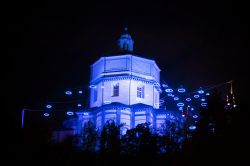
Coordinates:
(214, 86)
(181, 98)
(65, 102)
(168, 90)
(46, 113)
(181, 90)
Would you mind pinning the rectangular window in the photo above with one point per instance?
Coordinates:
(116, 90)
(95, 94)
(140, 91)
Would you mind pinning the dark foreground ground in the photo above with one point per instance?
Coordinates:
(32, 147)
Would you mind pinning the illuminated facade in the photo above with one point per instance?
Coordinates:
(125, 88)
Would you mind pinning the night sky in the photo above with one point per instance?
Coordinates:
(54, 43)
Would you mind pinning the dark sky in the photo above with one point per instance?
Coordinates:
(54, 43)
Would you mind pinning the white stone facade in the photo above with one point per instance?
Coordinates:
(129, 73)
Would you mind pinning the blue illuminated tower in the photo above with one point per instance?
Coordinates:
(127, 81)
(124, 87)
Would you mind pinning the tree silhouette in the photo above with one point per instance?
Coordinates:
(214, 117)
(210, 142)
(140, 141)
(89, 136)
(110, 138)
(172, 133)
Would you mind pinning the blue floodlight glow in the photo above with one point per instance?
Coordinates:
(70, 113)
(180, 104)
(181, 108)
(207, 94)
(195, 116)
(149, 77)
(107, 102)
(164, 85)
(200, 91)
(79, 105)
(196, 96)
(80, 91)
(181, 90)
(188, 99)
(68, 92)
(169, 90)
(176, 98)
(92, 86)
(85, 113)
(171, 95)
(192, 127)
(156, 84)
(203, 104)
(161, 101)
(48, 106)
(203, 99)
(192, 109)
(46, 114)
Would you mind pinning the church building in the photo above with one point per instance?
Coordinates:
(125, 88)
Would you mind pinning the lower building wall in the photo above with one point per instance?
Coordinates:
(130, 118)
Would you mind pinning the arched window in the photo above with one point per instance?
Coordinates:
(140, 91)
(116, 89)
